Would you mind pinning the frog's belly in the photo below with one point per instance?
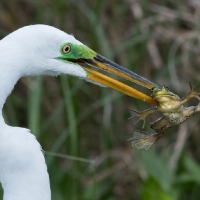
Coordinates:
(175, 118)
(170, 107)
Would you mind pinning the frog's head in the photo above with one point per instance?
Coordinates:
(163, 93)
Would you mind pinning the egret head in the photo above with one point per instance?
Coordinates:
(45, 50)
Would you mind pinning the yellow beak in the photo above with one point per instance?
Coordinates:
(116, 85)
(104, 64)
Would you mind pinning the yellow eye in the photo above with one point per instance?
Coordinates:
(66, 48)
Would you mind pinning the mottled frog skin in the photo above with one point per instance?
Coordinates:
(173, 112)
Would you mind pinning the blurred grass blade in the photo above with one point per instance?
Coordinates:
(34, 102)
(69, 157)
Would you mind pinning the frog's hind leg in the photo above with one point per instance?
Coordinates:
(160, 125)
(143, 140)
(197, 108)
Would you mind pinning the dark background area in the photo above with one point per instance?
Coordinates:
(84, 128)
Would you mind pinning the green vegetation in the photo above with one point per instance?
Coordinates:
(83, 128)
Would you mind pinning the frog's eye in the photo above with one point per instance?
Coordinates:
(66, 49)
(166, 87)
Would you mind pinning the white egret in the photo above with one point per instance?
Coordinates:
(44, 50)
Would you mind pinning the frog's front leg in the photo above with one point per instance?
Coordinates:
(143, 115)
(192, 94)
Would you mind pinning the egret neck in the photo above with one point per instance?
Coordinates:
(23, 172)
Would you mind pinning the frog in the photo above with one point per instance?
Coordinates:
(173, 111)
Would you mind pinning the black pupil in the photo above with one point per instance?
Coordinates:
(66, 48)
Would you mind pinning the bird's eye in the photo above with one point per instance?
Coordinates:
(66, 48)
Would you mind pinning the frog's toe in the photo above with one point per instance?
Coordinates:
(141, 117)
(192, 87)
(193, 90)
(132, 117)
(143, 140)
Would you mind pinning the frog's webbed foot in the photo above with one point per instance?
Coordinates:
(142, 115)
(143, 140)
(192, 94)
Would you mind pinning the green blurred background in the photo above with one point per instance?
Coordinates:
(84, 128)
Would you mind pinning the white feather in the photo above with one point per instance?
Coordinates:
(26, 52)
